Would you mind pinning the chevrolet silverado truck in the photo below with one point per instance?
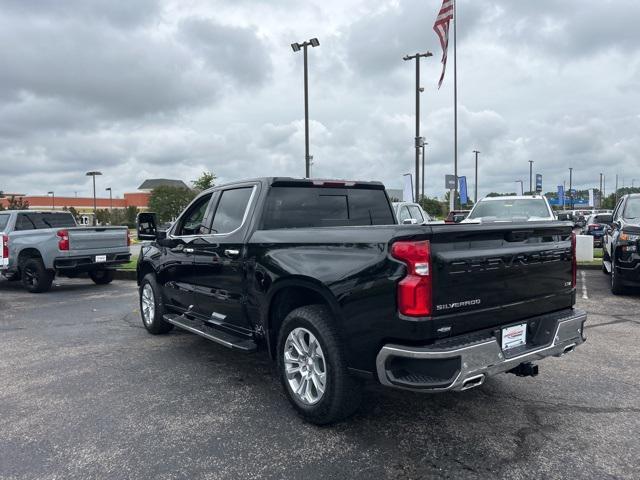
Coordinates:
(37, 245)
(621, 252)
(320, 276)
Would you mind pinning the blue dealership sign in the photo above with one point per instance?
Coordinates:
(463, 190)
(561, 194)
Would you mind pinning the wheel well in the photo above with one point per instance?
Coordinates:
(284, 302)
(26, 254)
(145, 268)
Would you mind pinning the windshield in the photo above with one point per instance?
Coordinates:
(4, 219)
(632, 210)
(508, 209)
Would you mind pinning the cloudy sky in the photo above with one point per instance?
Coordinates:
(143, 89)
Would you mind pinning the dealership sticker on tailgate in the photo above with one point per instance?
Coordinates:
(514, 336)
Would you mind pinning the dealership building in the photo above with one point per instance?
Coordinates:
(84, 205)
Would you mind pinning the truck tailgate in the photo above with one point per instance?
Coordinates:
(492, 275)
(96, 238)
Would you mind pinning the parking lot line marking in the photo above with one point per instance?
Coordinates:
(583, 279)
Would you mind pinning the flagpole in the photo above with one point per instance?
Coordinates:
(455, 104)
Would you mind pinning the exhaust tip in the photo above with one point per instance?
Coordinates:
(472, 382)
(569, 349)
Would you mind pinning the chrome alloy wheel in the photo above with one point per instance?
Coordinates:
(305, 366)
(148, 304)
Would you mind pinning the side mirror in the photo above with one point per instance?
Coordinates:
(409, 221)
(147, 226)
(458, 218)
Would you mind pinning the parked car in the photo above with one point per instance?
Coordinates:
(317, 274)
(37, 245)
(621, 252)
(410, 213)
(456, 216)
(513, 208)
(595, 226)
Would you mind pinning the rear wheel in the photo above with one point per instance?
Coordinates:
(101, 277)
(313, 369)
(35, 277)
(151, 307)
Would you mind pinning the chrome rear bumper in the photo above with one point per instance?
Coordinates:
(467, 365)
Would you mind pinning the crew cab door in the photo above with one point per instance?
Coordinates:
(611, 232)
(219, 268)
(177, 266)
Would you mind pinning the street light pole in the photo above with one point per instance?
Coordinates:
(53, 200)
(530, 176)
(419, 89)
(600, 192)
(95, 209)
(296, 48)
(424, 148)
(110, 199)
(475, 193)
(570, 184)
(521, 186)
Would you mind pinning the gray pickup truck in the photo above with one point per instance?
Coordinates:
(37, 245)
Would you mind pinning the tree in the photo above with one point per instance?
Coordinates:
(103, 217)
(130, 216)
(167, 202)
(74, 212)
(204, 181)
(432, 206)
(17, 203)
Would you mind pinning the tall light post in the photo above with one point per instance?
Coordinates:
(475, 193)
(521, 186)
(419, 90)
(53, 199)
(424, 148)
(570, 187)
(530, 176)
(600, 192)
(108, 189)
(296, 48)
(95, 209)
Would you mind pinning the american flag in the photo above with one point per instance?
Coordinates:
(441, 28)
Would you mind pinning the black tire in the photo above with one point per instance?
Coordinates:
(101, 277)
(35, 277)
(616, 285)
(152, 320)
(342, 394)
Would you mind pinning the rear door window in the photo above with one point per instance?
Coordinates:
(415, 213)
(231, 210)
(4, 220)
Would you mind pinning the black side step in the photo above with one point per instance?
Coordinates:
(210, 333)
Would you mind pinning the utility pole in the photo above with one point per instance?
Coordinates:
(296, 48)
(419, 89)
(475, 193)
(616, 189)
(570, 186)
(108, 189)
(600, 192)
(530, 176)
(53, 200)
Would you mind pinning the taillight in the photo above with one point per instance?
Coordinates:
(128, 238)
(574, 261)
(63, 239)
(5, 246)
(414, 290)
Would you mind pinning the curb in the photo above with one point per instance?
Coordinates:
(125, 275)
(589, 267)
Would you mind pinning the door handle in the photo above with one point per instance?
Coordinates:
(231, 252)
(188, 250)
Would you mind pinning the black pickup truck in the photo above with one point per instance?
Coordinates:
(319, 275)
(621, 252)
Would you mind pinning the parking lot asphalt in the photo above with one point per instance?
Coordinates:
(86, 392)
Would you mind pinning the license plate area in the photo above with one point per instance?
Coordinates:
(101, 258)
(513, 337)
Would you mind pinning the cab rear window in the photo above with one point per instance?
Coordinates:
(306, 207)
(4, 220)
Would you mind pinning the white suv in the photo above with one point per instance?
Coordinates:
(527, 208)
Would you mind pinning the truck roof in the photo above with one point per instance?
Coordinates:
(35, 211)
(511, 197)
(307, 182)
